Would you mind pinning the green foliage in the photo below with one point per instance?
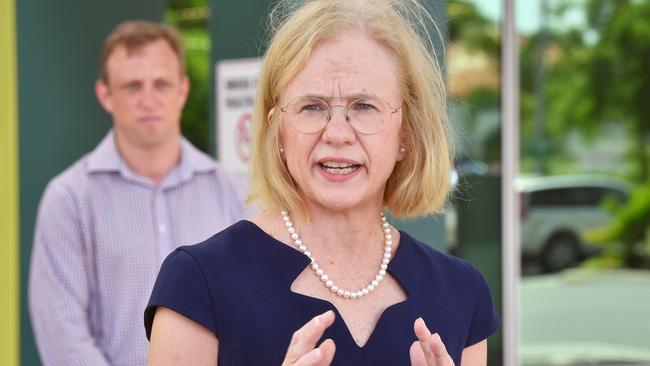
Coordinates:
(591, 75)
(476, 32)
(628, 235)
(608, 79)
(190, 17)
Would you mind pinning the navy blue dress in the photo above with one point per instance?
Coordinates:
(237, 284)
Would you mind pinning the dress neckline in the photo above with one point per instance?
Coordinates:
(298, 262)
(396, 267)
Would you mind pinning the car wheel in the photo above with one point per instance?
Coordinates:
(561, 251)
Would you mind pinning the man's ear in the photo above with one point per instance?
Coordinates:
(104, 95)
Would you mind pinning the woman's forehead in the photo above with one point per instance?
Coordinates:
(347, 66)
(346, 89)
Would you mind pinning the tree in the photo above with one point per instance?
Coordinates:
(605, 78)
(608, 79)
(474, 90)
(628, 235)
(190, 17)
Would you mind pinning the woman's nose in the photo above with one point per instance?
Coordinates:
(338, 129)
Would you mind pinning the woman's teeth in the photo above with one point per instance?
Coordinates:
(338, 167)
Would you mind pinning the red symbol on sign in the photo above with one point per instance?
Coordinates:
(243, 137)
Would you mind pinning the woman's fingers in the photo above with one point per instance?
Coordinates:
(433, 350)
(440, 351)
(328, 347)
(416, 354)
(424, 337)
(321, 356)
(302, 349)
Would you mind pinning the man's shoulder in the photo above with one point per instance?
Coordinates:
(74, 178)
(203, 163)
(67, 191)
(226, 182)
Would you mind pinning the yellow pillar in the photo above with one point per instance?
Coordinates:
(9, 214)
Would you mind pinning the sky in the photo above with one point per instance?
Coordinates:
(528, 13)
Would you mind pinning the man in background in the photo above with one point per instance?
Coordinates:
(107, 222)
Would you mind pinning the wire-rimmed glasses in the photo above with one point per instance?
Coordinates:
(367, 115)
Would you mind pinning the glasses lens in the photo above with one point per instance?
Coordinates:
(366, 115)
(307, 114)
(369, 115)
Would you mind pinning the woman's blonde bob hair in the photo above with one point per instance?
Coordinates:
(420, 182)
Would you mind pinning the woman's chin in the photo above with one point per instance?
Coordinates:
(349, 201)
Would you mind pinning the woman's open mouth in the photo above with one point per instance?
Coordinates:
(338, 167)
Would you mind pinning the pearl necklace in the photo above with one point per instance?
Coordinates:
(388, 249)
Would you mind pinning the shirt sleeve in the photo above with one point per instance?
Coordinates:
(485, 320)
(59, 291)
(181, 287)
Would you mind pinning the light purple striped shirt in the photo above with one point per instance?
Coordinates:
(101, 234)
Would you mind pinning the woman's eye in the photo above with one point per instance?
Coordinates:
(313, 108)
(363, 106)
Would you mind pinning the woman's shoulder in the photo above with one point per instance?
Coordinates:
(434, 260)
(242, 248)
(453, 284)
(241, 232)
(431, 267)
(229, 244)
(205, 270)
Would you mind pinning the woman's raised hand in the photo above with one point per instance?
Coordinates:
(428, 350)
(303, 351)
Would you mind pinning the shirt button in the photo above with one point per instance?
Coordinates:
(162, 228)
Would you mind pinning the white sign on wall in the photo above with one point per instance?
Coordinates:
(235, 81)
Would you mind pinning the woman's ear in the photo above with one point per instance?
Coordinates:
(269, 116)
(269, 119)
(401, 153)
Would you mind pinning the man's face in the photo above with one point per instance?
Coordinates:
(145, 92)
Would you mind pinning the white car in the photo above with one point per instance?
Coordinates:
(556, 211)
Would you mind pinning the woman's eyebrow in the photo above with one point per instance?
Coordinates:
(345, 97)
(355, 96)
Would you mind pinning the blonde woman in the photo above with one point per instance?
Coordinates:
(349, 122)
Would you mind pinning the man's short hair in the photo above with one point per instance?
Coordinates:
(134, 34)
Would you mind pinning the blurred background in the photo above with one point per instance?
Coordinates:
(583, 185)
(584, 188)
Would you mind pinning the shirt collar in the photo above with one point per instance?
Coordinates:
(106, 158)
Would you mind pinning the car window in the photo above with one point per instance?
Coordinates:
(618, 196)
(574, 196)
